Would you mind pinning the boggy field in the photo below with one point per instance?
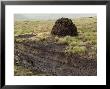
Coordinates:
(37, 52)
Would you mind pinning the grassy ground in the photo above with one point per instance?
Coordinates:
(85, 44)
(20, 70)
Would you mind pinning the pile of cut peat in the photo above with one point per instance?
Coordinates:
(64, 27)
(50, 58)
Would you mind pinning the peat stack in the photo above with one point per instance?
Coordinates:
(64, 27)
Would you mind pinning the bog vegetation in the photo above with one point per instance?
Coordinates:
(84, 45)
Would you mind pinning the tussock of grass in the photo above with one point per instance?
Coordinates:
(74, 45)
(76, 50)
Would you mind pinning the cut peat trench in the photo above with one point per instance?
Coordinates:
(51, 59)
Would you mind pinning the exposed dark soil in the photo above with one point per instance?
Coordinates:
(49, 57)
(25, 36)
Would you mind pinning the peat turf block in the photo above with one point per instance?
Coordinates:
(64, 27)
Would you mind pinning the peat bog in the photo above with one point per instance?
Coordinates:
(38, 52)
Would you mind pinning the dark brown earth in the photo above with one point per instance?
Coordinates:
(50, 58)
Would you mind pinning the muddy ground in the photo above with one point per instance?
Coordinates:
(51, 59)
